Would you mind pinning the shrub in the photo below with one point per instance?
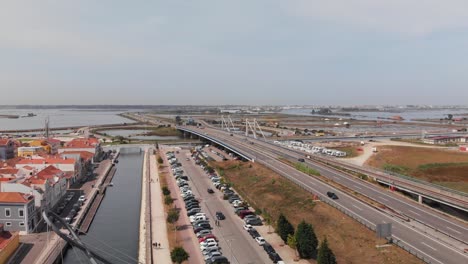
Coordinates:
(168, 200)
(165, 190)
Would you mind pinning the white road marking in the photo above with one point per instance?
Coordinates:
(453, 230)
(357, 187)
(428, 246)
(383, 198)
(313, 183)
(357, 207)
(414, 212)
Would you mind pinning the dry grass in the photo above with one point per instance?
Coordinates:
(268, 191)
(450, 170)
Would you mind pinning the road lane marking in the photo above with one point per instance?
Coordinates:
(357, 207)
(414, 212)
(453, 230)
(357, 187)
(428, 246)
(383, 198)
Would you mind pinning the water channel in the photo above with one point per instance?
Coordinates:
(114, 231)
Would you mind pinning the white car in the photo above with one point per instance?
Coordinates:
(82, 198)
(260, 240)
(198, 218)
(208, 241)
(247, 227)
(208, 245)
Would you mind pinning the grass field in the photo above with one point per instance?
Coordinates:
(270, 193)
(444, 167)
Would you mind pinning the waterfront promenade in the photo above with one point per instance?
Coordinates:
(161, 255)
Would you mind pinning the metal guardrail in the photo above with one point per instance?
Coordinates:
(423, 182)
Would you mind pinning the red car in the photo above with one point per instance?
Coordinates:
(206, 237)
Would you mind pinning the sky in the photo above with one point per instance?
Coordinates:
(263, 52)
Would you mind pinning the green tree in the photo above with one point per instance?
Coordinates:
(292, 243)
(179, 255)
(284, 228)
(178, 120)
(168, 200)
(165, 190)
(173, 216)
(306, 240)
(160, 160)
(325, 254)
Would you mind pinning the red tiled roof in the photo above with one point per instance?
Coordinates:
(86, 155)
(4, 141)
(14, 197)
(8, 170)
(49, 172)
(82, 143)
(47, 161)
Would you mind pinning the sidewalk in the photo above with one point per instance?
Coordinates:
(185, 235)
(158, 221)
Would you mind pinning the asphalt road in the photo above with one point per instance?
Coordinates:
(425, 245)
(237, 245)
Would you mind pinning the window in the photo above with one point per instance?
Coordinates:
(21, 212)
(21, 223)
(7, 212)
(8, 223)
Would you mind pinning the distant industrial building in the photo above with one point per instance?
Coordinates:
(440, 140)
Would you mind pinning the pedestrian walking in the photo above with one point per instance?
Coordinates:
(159, 245)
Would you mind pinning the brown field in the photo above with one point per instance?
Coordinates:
(451, 170)
(267, 191)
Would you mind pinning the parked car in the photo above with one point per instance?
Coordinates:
(203, 232)
(268, 248)
(254, 222)
(332, 195)
(212, 254)
(208, 245)
(247, 227)
(260, 240)
(220, 216)
(253, 233)
(203, 225)
(198, 229)
(82, 198)
(274, 257)
(193, 211)
(207, 236)
(244, 213)
(218, 260)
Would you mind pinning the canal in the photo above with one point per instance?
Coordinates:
(114, 231)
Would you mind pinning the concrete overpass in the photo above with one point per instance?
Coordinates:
(217, 142)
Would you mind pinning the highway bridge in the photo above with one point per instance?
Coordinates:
(426, 233)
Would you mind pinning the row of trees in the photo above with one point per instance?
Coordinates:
(304, 241)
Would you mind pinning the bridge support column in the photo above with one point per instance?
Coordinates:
(420, 199)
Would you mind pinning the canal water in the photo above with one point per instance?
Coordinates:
(115, 230)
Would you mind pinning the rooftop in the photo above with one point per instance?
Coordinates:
(14, 197)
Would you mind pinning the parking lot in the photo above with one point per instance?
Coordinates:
(235, 242)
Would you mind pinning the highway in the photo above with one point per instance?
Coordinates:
(425, 245)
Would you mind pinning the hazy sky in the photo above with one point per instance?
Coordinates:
(234, 52)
